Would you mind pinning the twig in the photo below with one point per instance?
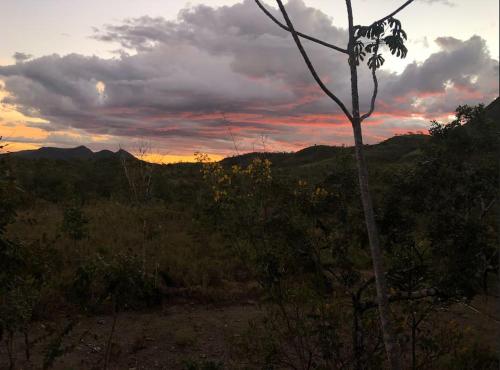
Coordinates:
(226, 121)
(303, 35)
(375, 84)
(472, 308)
(308, 62)
(394, 12)
(403, 296)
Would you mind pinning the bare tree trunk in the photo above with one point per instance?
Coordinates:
(27, 344)
(10, 350)
(391, 344)
(390, 341)
(357, 336)
(109, 343)
(413, 341)
(144, 237)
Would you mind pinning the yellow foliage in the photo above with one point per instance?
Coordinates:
(222, 181)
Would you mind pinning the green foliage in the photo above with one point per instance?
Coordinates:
(61, 181)
(17, 302)
(55, 348)
(368, 39)
(305, 332)
(9, 195)
(203, 365)
(75, 224)
(24, 271)
(304, 240)
(117, 279)
(441, 208)
(293, 235)
(261, 217)
(474, 357)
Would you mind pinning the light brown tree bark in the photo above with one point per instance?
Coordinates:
(390, 339)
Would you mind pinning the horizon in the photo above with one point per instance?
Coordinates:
(199, 77)
(156, 158)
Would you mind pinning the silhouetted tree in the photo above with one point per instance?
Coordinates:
(139, 175)
(364, 43)
(75, 224)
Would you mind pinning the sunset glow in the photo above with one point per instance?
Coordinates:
(227, 87)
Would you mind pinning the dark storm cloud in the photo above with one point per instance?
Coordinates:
(175, 78)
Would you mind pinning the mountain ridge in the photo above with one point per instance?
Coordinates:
(399, 145)
(76, 153)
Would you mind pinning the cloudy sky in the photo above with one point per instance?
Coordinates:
(218, 76)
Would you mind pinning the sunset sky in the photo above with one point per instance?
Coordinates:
(213, 75)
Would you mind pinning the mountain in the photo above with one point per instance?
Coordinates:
(79, 153)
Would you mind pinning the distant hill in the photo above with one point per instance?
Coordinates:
(56, 174)
(392, 149)
(396, 149)
(493, 110)
(78, 153)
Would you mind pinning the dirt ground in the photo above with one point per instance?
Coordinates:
(171, 337)
(162, 339)
(482, 318)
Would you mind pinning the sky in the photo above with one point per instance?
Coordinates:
(217, 76)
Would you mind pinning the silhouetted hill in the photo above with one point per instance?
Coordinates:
(396, 148)
(393, 149)
(104, 154)
(57, 173)
(79, 153)
(493, 110)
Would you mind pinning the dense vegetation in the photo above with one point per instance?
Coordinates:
(114, 235)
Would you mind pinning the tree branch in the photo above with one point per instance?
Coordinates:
(403, 296)
(375, 85)
(374, 72)
(303, 35)
(365, 285)
(374, 97)
(308, 62)
(485, 210)
(394, 12)
(491, 317)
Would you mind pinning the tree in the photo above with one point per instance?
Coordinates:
(362, 40)
(117, 280)
(75, 224)
(139, 174)
(303, 242)
(24, 270)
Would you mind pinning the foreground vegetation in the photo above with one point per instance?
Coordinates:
(117, 238)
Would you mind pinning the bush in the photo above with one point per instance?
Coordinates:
(118, 279)
(203, 365)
